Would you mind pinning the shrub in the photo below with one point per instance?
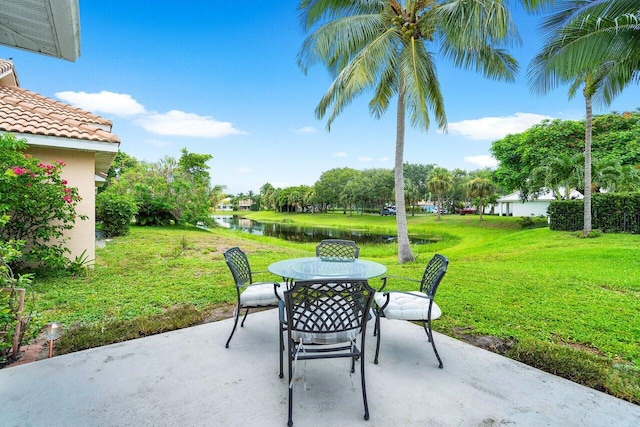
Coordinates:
(115, 212)
(39, 203)
(10, 316)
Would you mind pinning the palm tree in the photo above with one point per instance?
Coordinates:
(216, 195)
(593, 44)
(559, 173)
(383, 45)
(482, 189)
(440, 181)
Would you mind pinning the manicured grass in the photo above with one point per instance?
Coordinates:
(569, 304)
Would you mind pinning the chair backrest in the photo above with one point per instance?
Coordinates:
(328, 311)
(239, 265)
(433, 274)
(337, 249)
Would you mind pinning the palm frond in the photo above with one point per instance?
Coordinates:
(314, 11)
(418, 70)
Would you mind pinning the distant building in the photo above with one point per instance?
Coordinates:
(225, 204)
(512, 204)
(245, 205)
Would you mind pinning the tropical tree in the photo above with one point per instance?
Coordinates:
(412, 195)
(217, 194)
(566, 58)
(482, 190)
(387, 46)
(559, 174)
(439, 182)
(329, 184)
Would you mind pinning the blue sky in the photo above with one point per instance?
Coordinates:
(220, 78)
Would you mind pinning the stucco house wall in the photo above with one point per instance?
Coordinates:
(78, 171)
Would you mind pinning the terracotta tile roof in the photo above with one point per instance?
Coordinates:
(5, 66)
(23, 111)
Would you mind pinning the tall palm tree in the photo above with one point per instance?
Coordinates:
(593, 44)
(440, 181)
(386, 45)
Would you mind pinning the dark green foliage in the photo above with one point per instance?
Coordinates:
(96, 335)
(168, 191)
(611, 213)
(566, 215)
(115, 212)
(618, 212)
(615, 137)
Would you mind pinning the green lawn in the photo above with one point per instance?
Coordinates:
(570, 304)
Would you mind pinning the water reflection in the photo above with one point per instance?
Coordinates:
(301, 234)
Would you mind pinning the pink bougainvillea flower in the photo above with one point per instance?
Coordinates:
(18, 170)
(60, 163)
(64, 182)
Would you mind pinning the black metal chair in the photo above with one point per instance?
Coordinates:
(337, 249)
(413, 306)
(250, 294)
(323, 319)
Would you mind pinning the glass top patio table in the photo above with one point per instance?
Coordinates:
(322, 268)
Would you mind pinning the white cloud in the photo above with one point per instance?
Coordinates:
(482, 161)
(340, 154)
(105, 102)
(179, 123)
(495, 127)
(244, 170)
(365, 159)
(158, 143)
(384, 159)
(307, 130)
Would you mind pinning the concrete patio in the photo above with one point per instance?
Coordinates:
(188, 378)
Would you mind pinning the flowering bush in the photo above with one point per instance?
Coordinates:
(40, 204)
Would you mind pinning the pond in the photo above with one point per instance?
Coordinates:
(301, 234)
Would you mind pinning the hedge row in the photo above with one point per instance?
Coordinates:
(611, 213)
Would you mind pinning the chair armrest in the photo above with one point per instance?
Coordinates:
(384, 280)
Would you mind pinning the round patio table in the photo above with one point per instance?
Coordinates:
(323, 268)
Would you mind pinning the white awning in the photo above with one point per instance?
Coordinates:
(49, 27)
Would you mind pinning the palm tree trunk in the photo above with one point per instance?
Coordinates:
(587, 166)
(404, 248)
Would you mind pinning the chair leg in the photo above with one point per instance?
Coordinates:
(290, 422)
(235, 324)
(364, 387)
(424, 325)
(280, 332)
(433, 344)
(246, 313)
(375, 325)
(377, 328)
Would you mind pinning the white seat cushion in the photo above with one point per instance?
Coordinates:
(407, 306)
(325, 337)
(261, 295)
